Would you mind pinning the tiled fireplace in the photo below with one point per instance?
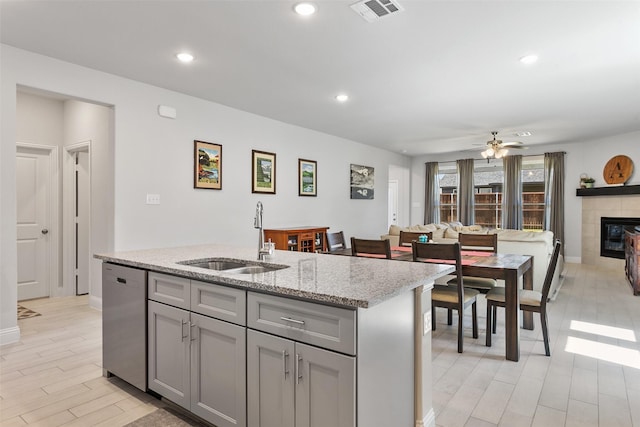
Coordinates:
(593, 209)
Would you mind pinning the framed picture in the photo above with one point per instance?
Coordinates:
(207, 167)
(362, 178)
(307, 177)
(263, 172)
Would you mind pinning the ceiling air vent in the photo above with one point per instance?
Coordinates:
(372, 10)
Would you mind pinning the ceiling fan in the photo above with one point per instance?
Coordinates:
(496, 149)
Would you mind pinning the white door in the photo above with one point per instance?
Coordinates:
(33, 194)
(393, 203)
(82, 223)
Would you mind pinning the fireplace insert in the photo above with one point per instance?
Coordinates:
(612, 235)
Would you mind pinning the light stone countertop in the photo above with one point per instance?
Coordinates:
(333, 279)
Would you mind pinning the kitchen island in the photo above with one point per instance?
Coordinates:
(333, 340)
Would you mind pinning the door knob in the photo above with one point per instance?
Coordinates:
(45, 231)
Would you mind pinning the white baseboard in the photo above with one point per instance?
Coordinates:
(9, 335)
(428, 421)
(95, 302)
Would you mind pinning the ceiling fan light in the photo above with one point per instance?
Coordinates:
(484, 154)
(490, 152)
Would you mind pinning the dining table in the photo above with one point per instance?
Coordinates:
(508, 267)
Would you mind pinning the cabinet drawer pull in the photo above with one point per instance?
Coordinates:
(284, 364)
(298, 370)
(121, 280)
(288, 319)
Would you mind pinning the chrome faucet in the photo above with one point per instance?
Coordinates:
(257, 223)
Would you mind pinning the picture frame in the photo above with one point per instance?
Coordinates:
(263, 172)
(207, 166)
(307, 178)
(362, 182)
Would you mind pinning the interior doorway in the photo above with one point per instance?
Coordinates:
(78, 216)
(36, 213)
(392, 205)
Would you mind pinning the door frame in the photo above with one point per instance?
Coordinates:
(68, 215)
(54, 222)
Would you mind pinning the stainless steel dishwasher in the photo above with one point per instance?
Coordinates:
(124, 324)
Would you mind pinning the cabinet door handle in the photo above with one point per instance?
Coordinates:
(288, 319)
(184, 322)
(284, 364)
(192, 335)
(298, 370)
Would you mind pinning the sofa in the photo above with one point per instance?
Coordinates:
(539, 244)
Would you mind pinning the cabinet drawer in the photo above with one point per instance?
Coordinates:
(321, 325)
(217, 301)
(307, 236)
(170, 290)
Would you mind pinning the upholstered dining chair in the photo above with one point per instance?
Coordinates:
(406, 237)
(532, 301)
(480, 243)
(336, 241)
(458, 299)
(364, 247)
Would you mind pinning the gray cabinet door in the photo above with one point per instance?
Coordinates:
(169, 352)
(218, 371)
(325, 388)
(270, 381)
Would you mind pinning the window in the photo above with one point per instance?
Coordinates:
(488, 180)
(533, 193)
(448, 178)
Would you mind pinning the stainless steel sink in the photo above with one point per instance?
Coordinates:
(252, 269)
(215, 265)
(233, 266)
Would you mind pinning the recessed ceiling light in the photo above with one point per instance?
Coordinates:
(529, 59)
(342, 97)
(305, 9)
(185, 57)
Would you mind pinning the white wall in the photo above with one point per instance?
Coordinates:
(582, 157)
(155, 155)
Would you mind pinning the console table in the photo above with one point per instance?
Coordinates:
(632, 259)
(301, 239)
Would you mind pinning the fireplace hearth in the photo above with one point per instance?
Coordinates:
(612, 235)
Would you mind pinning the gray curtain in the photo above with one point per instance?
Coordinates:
(431, 194)
(554, 194)
(466, 201)
(512, 193)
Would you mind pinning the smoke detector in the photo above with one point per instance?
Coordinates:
(373, 10)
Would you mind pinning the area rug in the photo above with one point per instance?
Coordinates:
(165, 417)
(25, 313)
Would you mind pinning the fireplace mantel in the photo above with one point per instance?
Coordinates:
(622, 190)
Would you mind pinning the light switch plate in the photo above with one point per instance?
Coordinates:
(153, 199)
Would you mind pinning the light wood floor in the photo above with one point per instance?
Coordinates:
(53, 376)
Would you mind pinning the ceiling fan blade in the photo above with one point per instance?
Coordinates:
(514, 144)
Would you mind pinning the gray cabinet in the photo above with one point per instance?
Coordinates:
(169, 364)
(196, 361)
(292, 384)
(218, 371)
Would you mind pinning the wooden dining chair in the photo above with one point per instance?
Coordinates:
(335, 241)
(532, 301)
(480, 243)
(364, 247)
(406, 237)
(458, 299)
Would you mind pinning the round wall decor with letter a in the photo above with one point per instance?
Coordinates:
(618, 170)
